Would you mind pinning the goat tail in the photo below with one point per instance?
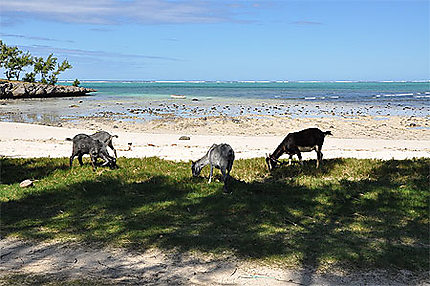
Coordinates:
(69, 139)
(327, 133)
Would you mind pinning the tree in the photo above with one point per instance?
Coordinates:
(38, 66)
(43, 67)
(14, 61)
(9, 57)
(29, 77)
(76, 82)
(47, 71)
(53, 78)
(3, 55)
(21, 62)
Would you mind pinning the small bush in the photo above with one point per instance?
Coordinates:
(29, 77)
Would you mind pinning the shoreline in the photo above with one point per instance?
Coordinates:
(253, 127)
(22, 140)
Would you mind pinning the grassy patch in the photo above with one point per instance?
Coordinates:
(359, 213)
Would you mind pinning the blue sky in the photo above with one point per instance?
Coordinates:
(225, 40)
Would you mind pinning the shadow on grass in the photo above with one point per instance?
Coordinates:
(297, 216)
(16, 170)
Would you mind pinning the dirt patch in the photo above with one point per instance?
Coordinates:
(69, 261)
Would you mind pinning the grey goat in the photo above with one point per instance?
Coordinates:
(84, 144)
(220, 156)
(106, 138)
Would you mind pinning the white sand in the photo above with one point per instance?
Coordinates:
(29, 140)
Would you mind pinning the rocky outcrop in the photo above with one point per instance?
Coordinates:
(15, 89)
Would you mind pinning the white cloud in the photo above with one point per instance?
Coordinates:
(64, 52)
(118, 11)
(33, 38)
(306, 23)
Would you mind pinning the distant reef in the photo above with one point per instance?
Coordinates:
(18, 89)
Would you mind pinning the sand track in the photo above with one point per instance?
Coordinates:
(61, 261)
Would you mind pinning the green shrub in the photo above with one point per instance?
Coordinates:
(29, 77)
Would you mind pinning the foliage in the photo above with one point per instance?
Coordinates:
(76, 82)
(60, 68)
(29, 77)
(47, 71)
(14, 61)
(350, 212)
(43, 67)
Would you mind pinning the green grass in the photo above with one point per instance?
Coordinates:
(350, 213)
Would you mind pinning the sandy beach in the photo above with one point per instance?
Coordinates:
(356, 137)
(385, 127)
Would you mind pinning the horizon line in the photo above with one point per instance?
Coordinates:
(241, 81)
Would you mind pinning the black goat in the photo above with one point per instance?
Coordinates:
(219, 156)
(84, 144)
(302, 141)
(106, 138)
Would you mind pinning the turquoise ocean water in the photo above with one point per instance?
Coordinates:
(410, 93)
(133, 101)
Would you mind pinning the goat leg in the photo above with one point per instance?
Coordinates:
(80, 160)
(210, 174)
(71, 160)
(225, 176)
(106, 161)
(93, 162)
(300, 157)
(319, 158)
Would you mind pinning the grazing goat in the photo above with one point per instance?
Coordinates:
(84, 144)
(219, 156)
(294, 143)
(106, 138)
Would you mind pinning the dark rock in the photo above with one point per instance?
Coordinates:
(184, 138)
(18, 89)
